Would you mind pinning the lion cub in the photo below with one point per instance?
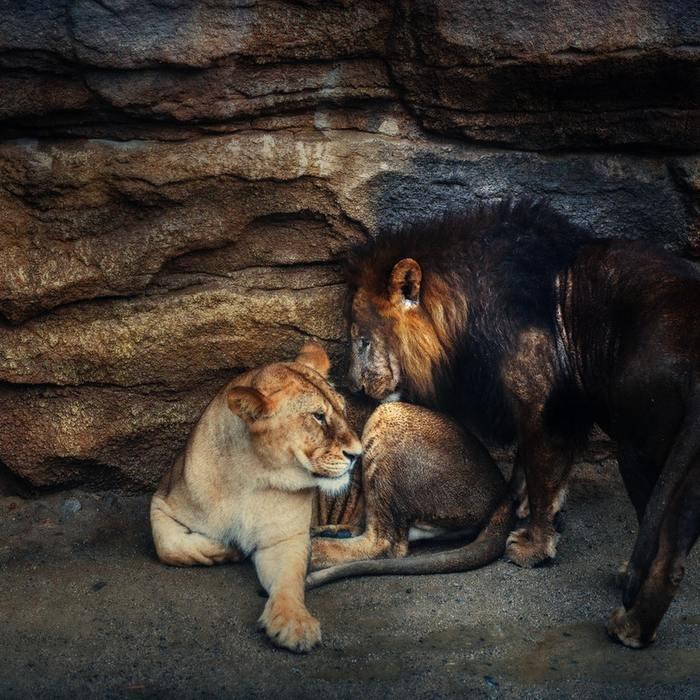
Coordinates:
(245, 484)
(422, 476)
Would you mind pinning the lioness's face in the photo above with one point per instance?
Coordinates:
(298, 423)
(374, 365)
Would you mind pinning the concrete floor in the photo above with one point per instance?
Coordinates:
(85, 608)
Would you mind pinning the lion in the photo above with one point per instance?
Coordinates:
(525, 328)
(421, 476)
(245, 484)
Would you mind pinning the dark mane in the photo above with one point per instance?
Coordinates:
(436, 242)
(498, 263)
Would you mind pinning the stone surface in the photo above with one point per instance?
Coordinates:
(125, 60)
(686, 174)
(180, 182)
(527, 74)
(548, 75)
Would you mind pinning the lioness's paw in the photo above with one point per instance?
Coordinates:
(525, 548)
(623, 627)
(290, 625)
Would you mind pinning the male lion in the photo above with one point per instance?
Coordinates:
(521, 324)
(245, 482)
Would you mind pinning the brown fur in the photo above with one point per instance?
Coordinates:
(422, 474)
(536, 332)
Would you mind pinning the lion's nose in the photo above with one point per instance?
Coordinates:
(352, 457)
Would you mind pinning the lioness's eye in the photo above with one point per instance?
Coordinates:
(320, 417)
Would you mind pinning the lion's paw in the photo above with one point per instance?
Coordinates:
(527, 551)
(290, 625)
(623, 627)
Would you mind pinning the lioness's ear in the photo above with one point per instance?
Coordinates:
(314, 356)
(249, 403)
(404, 285)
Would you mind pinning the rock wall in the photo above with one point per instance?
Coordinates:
(180, 181)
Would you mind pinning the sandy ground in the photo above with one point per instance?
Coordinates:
(85, 608)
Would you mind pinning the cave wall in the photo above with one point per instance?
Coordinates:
(180, 181)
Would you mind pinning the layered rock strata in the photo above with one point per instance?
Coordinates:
(180, 182)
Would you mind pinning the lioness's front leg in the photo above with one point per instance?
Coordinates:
(281, 570)
(177, 545)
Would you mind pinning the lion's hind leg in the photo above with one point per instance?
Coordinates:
(327, 551)
(177, 545)
(647, 595)
(381, 536)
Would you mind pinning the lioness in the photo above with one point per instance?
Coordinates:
(421, 476)
(523, 326)
(245, 482)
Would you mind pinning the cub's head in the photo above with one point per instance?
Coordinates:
(296, 423)
(401, 328)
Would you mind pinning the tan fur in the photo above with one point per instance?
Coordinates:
(246, 481)
(422, 477)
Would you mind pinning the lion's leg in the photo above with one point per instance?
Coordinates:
(635, 624)
(345, 510)
(683, 457)
(547, 463)
(543, 454)
(649, 589)
(379, 538)
(281, 570)
(518, 486)
(177, 545)
(639, 472)
(327, 552)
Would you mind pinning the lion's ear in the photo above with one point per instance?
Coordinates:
(313, 355)
(404, 285)
(248, 403)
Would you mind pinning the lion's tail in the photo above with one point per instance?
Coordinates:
(487, 547)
